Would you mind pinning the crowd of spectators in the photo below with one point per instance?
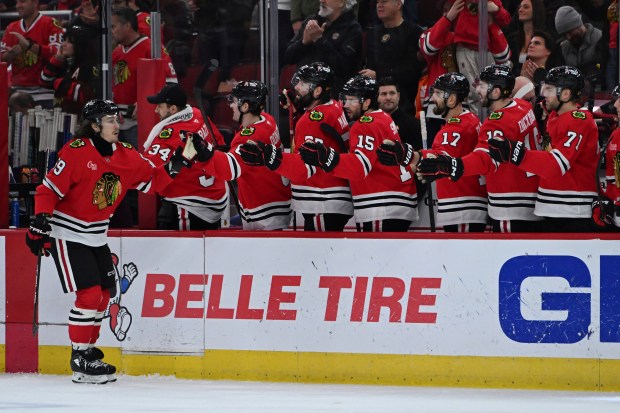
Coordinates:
(404, 45)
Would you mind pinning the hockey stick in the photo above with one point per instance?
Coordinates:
(429, 185)
(35, 323)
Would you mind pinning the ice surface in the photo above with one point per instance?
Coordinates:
(48, 393)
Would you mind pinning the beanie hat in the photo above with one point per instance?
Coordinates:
(567, 19)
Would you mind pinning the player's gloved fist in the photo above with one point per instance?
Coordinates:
(442, 166)
(317, 154)
(392, 153)
(257, 154)
(177, 163)
(204, 149)
(38, 235)
(603, 212)
(506, 150)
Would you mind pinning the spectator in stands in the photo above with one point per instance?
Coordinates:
(223, 28)
(466, 40)
(438, 49)
(583, 47)
(333, 36)
(178, 30)
(196, 200)
(131, 47)
(611, 68)
(74, 72)
(530, 18)
(20, 102)
(389, 98)
(27, 44)
(143, 14)
(301, 10)
(391, 50)
(541, 53)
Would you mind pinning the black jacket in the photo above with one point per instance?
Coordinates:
(340, 47)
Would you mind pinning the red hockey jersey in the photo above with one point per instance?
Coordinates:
(264, 196)
(27, 67)
(313, 190)
(466, 25)
(84, 189)
(379, 192)
(125, 63)
(201, 194)
(612, 172)
(463, 201)
(433, 42)
(568, 171)
(512, 191)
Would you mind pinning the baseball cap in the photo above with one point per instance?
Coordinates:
(171, 94)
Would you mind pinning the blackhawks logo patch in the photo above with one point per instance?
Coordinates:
(166, 133)
(78, 143)
(247, 131)
(107, 190)
(578, 114)
(316, 115)
(127, 145)
(496, 115)
(454, 120)
(366, 119)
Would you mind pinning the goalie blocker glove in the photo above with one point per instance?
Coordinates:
(38, 235)
(317, 154)
(443, 166)
(396, 153)
(258, 154)
(506, 150)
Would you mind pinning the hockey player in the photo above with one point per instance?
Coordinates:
(200, 198)
(73, 207)
(27, 44)
(323, 199)
(131, 46)
(568, 168)
(264, 196)
(606, 208)
(384, 198)
(511, 191)
(461, 205)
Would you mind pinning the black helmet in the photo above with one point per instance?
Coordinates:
(453, 83)
(566, 77)
(253, 92)
(499, 76)
(361, 86)
(317, 73)
(95, 109)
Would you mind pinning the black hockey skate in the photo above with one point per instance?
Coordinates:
(93, 372)
(94, 354)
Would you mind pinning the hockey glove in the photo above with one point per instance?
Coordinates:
(204, 150)
(257, 154)
(602, 212)
(506, 150)
(38, 235)
(442, 166)
(395, 153)
(177, 163)
(316, 154)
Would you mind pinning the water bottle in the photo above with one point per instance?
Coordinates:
(14, 209)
